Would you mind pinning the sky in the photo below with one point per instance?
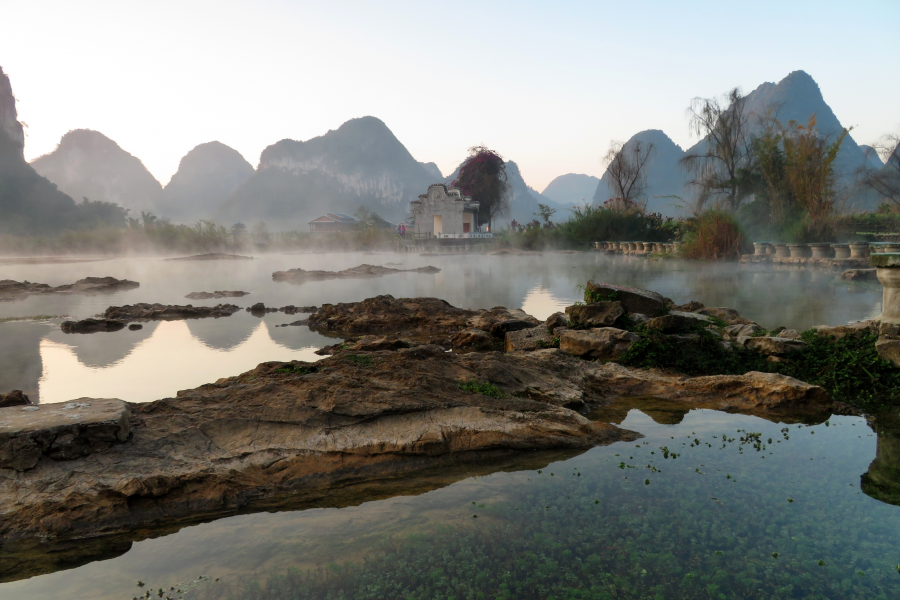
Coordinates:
(546, 84)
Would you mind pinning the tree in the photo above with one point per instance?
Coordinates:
(482, 176)
(627, 169)
(545, 212)
(885, 181)
(723, 127)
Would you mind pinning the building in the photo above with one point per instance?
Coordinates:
(443, 212)
(330, 222)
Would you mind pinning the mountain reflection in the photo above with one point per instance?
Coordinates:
(155, 367)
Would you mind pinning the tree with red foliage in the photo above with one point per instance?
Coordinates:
(482, 176)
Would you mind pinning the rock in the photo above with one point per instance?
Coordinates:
(290, 309)
(213, 256)
(729, 315)
(217, 294)
(92, 325)
(772, 345)
(602, 343)
(889, 350)
(14, 398)
(14, 290)
(168, 312)
(499, 320)
(764, 394)
(65, 431)
(259, 309)
(389, 314)
(362, 271)
(135, 327)
(557, 320)
(855, 329)
(677, 321)
(741, 330)
(692, 306)
(791, 334)
(295, 323)
(860, 275)
(473, 338)
(595, 314)
(634, 300)
(296, 432)
(533, 338)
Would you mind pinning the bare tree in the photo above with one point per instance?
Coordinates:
(885, 181)
(627, 169)
(723, 128)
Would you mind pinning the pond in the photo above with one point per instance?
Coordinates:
(705, 505)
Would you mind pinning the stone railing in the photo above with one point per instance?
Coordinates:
(464, 236)
(638, 247)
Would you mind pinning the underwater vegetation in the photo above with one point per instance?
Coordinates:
(717, 507)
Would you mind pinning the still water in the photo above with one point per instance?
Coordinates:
(706, 505)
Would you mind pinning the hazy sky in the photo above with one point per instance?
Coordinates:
(547, 84)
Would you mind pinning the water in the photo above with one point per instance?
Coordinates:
(620, 521)
(163, 358)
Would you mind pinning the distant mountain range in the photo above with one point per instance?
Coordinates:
(359, 163)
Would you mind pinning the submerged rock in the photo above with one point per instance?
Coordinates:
(168, 312)
(302, 276)
(216, 294)
(15, 290)
(92, 325)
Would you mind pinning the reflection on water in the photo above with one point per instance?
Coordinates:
(882, 480)
(170, 358)
(704, 523)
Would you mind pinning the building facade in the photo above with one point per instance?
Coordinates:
(333, 222)
(444, 212)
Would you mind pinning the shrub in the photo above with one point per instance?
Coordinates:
(714, 235)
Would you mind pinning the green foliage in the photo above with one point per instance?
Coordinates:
(295, 369)
(598, 295)
(483, 388)
(702, 355)
(360, 360)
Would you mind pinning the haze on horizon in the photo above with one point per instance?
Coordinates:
(546, 85)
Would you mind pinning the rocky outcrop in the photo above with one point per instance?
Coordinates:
(362, 271)
(216, 295)
(772, 346)
(595, 314)
(526, 340)
(15, 290)
(634, 300)
(9, 120)
(167, 312)
(679, 322)
(92, 325)
(293, 429)
(61, 432)
(14, 398)
(600, 343)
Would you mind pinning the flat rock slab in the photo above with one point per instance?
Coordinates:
(362, 271)
(599, 343)
(533, 338)
(63, 431)
(217, 294)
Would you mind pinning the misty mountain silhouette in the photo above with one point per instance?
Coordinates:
(573, 188)
(87, 164)
(207, 176)
(29, 203)
(360, 163)
(664, 176)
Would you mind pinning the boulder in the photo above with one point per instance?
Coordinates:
(389, 314)
(769, 346)
(64, 431)
(791, 334)
(557, 320)
(475, 339)
(742, 330)
(14, 398)
(135, 327)
(602, 343)
(499, 320)
(855, 329)
(729, 315)
(92, 325)
(634, 300)
(595, 314)
(677, 321)
(889, 350)
(533, 338)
